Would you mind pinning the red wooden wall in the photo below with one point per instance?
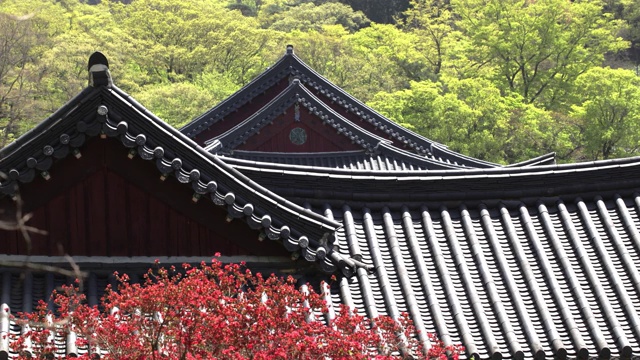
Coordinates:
(105, 204)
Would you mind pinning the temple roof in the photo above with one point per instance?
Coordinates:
(552, 280)
(385, 159)
(291, 66)
(530, 262)
(498, 184)
(103, 110)
(513, 262)
(296, 95)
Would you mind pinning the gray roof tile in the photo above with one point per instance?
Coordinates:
(517, 281)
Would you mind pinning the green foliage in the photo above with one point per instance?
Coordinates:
(176, 41)
(470, 116)
(629, 11)
(21, 45)
(327, 52)
(176, 103)
(538, 48)
(431, 22)
(609, 112)
(499, 80)
(308, 16)
(380, 11)
(394, 53)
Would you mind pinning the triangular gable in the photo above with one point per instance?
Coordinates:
(271, 128)
(103, 110)
(102, 203)
(296, 121)
(267, 85)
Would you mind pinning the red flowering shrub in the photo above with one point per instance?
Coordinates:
(214, 311)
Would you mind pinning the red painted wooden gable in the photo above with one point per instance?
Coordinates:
(241, 114)
(275, 137)
(105, 204)
(319, 137)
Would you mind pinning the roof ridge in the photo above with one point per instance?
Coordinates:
(527, 183)
(260, 83)
(302, 154)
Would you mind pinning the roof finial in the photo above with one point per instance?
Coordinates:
(98, 67)
(289, 49)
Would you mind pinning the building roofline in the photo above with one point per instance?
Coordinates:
(445, 185)
(546, 159)
(291, 65)
(107, 111)
(296, 92)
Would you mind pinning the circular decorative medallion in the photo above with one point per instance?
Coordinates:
(298, 136)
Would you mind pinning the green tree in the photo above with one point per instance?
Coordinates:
(629, 11)
(380, 11)
(396, 56)
(608, 113)
(178, 40)
(178, 103)
(27, 31)
(327, 52)
(309, 16)
(538, 48)
(17, 69)
(471, 117)
(432, 22)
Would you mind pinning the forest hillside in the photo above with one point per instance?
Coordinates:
(500, 80)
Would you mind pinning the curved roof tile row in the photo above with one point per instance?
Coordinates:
(352, 160)
(528, 184)
(507, 281)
